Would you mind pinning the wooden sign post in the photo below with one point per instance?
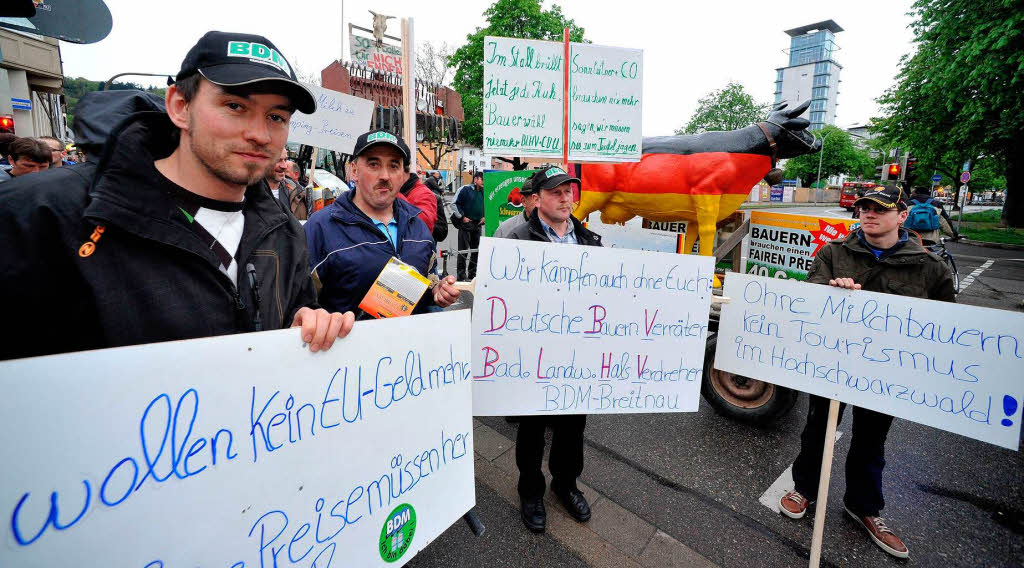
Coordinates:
(565, 101)
(409, 89)
(826, 477)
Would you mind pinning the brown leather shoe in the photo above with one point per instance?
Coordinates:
(794, 505)
(882, 535)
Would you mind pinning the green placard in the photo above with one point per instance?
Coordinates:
(501, 197)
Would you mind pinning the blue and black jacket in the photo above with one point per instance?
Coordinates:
(347, 251)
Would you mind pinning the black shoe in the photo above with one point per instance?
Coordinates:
(576, 504)
(533, 514)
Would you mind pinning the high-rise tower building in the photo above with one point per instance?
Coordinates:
(812, 73)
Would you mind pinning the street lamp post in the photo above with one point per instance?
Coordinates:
(821, 154)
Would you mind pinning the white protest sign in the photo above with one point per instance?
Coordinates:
(242, 450)
(522, 107)
(339, 119)
(605, 114)
(635, 237)
(385, 58)
(564, 329)
(951, 366)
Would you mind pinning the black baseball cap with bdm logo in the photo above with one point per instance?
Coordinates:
(374, 137)
(550, 177)
(889, 197)
(233, 60)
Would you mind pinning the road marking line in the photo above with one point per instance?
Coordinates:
(782, 485)
(977, 272)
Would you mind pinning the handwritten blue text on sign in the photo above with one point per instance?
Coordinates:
(339, 119)
(236, 451)
(950, 366)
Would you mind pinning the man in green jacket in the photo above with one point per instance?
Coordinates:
(880, 257)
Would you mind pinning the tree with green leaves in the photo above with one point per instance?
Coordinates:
(728, 108)
(524, 19)
(839, 155)
(960, 96)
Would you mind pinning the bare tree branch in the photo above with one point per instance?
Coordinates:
(432, 61)
(309, 78)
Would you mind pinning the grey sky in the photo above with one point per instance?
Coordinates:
(689, 48)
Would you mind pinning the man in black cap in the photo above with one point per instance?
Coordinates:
(880, 257)
(530, 198)
(174, 235)
(552, 222)
(351, 241)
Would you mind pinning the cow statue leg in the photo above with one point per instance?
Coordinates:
(689, 237)
(591, 201)
(707, 218)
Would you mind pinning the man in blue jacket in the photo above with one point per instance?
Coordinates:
(468, 207)
(351, 241)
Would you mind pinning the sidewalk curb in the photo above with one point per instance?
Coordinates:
(776, 204)
(986, 244)
(614, 538)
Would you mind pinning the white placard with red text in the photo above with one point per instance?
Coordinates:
(565, 329)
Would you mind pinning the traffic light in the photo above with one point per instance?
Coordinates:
(6, 125)
(894, 171)
(880, 172)
(911, 166)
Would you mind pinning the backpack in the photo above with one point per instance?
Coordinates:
(922, 217)
(440, 232)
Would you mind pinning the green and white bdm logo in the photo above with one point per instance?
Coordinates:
(258, 52)
(382, 137)
(397, 533)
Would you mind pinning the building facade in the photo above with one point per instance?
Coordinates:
(812, 72)
(473, 159)
(31, 82)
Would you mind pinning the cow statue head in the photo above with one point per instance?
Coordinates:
(787, 134)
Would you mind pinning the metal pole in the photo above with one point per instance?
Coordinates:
(821, 154)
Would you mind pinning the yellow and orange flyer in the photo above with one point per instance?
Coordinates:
(396, 291)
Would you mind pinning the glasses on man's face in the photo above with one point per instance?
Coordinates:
(876, 209)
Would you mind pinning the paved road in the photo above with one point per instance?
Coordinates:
(699, 477)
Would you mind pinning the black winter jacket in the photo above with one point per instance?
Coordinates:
(149, 277)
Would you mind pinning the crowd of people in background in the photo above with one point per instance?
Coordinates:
(24, 155)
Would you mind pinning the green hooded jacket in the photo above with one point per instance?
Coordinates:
(909, 271)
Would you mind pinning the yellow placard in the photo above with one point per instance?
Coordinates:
(398, 288)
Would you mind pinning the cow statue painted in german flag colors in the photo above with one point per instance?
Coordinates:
(702, 178)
